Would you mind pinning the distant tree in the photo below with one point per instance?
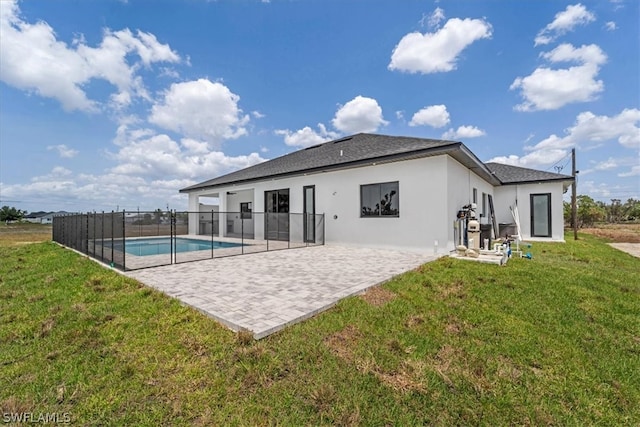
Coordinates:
(589, 211)
(566, 206)
(614, 211)
(11, 214)
(630, 211)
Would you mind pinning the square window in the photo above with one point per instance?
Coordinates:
(381, 199)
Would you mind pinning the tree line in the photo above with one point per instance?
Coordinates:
(11, 214)
(589, 211)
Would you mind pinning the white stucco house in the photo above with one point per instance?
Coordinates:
(383, 191)
(42, 217)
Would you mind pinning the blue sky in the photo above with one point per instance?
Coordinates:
(110, 105)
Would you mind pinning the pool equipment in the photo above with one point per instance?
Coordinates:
(473, 234)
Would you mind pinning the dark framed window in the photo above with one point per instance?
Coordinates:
(484, 205)
(245, 210)
(381, 199)
(475, 196)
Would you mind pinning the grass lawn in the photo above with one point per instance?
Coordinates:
(552, 340)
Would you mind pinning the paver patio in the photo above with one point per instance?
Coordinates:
(266, 292)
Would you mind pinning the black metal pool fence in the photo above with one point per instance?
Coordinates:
(133, 240)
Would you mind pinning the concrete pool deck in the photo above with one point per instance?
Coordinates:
(265, 292)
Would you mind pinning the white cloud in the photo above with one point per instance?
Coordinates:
(193, 146)
(618, 4)
(150, 169)
(463, 132)
(361, 114)
(607, 191)
(435, 116)
(59, 172)
(63, 150)
(550, 89)
(33, 59)
(604, 165)
(635, 171)
(564, 22)
(591, 128)
(202, 110)
(306, 136)
(532, 160)
(608, 164)
(169, 73)
(610, 26)
(596, 191)
(258, 115)
(156, 156)
(76, 192)
(585, 54)
(588, 128)
(436, 17)
(438, 51)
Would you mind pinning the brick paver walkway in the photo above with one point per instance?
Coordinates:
(265, 292)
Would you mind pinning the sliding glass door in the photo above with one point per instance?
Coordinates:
(276, 208)
(541, 215)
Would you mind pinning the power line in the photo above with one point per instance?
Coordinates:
(556, 165)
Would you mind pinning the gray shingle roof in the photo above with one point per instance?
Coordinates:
(508, 174)
(364, 149)
(342, 153)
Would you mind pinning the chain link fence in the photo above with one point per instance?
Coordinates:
(135, 240)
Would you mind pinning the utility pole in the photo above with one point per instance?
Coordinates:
(574, 210)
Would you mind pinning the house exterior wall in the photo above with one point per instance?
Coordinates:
(233, 218)
(509, 195)
(431, 192)
(338, 197)
(424, 214)
(461, 181)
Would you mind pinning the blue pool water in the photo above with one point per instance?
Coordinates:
(162, 245)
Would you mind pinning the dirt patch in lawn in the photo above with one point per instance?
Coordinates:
(625, 237)
(405, 379)
(619, 233)
(378, 296)
(343, 342)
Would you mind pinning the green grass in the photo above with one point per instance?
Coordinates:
(553, 340)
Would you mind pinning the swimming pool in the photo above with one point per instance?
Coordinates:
(162, 245)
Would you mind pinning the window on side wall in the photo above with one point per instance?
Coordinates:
(484, 204)
(475, 196)
(380, 200)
